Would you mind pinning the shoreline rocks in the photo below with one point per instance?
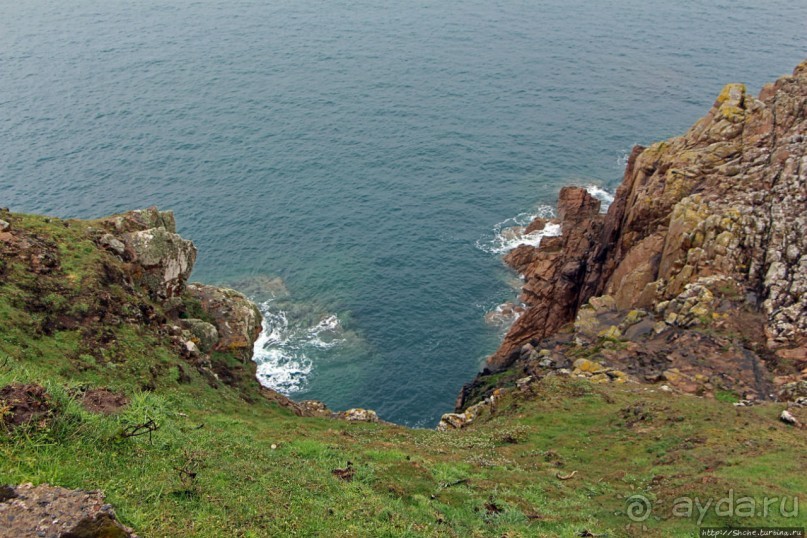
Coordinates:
(696, 276)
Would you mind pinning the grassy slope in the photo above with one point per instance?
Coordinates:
(499, 478)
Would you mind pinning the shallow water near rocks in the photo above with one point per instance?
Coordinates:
(361, 152)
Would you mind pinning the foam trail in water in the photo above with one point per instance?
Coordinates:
(282, 349)
(605, 197)
(509, 233)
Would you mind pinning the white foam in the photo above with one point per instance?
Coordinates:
(504, 314)
(277, 371)
(605, 197)
(283, 347)
(324, 334)
(509, 233)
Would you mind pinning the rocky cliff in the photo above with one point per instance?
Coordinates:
(696, 276)
(122, 273)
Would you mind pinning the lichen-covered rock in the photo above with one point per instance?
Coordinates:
(792, 392)
(112, 243)
(315, 407)
(166, 258)
(236, 318)
(456, 421)
(728, 199)
(53, 512)
(138, 220)
(588, 367)
(695, 305)
(451, 421)
(205, 334)
(358, 415)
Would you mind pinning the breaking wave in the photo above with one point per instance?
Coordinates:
(509, 233)
(605, 197)
(283, 349)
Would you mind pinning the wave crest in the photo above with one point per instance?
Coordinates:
(509, 233)
(605, 197)
(282, 351)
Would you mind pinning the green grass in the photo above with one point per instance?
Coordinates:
(261, 471)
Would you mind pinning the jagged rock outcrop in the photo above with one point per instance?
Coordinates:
(162, 261)
(147, 238)
(554, 273)
(714, 218)
(166, 258)
(237, 320)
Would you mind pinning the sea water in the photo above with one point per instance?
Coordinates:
(357, 166)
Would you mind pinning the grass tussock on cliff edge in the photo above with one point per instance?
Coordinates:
(187, 458)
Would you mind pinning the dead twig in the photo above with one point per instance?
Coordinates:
(565, 476)
(137, 430)
(454, 483)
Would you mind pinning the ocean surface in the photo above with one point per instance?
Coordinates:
(354, 165)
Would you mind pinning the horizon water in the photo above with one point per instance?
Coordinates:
(354, 166)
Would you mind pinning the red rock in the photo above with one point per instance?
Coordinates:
(726, 198)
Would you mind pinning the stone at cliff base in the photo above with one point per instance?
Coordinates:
(236, 318)
(358, 415)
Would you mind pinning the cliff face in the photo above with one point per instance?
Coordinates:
(104, 279)
(706, 232)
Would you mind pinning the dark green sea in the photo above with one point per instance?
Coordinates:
(349, 163)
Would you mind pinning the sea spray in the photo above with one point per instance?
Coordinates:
(286, 350)
(605, 197)
(509, 233)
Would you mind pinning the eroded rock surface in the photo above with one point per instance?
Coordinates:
(237, 320)
(47, 511)
(162, 260)
(706, 234)
(166, 258)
